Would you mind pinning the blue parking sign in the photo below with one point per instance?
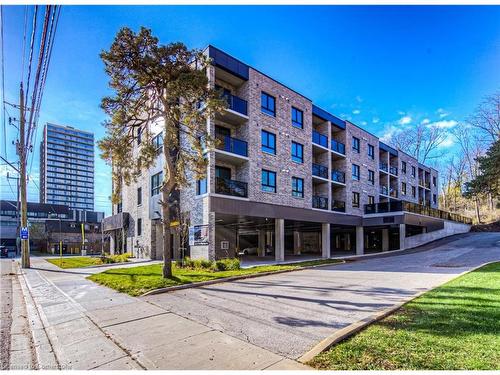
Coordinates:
(24, 233)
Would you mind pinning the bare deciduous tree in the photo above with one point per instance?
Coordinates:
(486, 118)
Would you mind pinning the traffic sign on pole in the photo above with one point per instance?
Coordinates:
(24, 233)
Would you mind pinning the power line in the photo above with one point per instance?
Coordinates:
(4, 126)
(32, 43)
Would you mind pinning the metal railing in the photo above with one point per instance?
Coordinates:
(236, 104)
(337, 147)
(320, 202)
(393, 170)
(393, 193)
(383, 167)
(319, 139)
(231, 187)
(338, 206)
(384, 190)
(232, 145)
(423, 183)
(398, 206)
(319, 170)
(338, 176)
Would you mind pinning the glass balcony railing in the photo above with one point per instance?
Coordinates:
(320, 170)
(232, 145)
(393, 170)
(338, 176)
(423, 183)
(337, 147)
(231, 187)
(320, 202)
(319, 139)
(236, 104)
(384, 190)
(397, 206)
(384, 167)
(338, 206)
(393, 193)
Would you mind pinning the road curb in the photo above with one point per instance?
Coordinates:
(354, 328)
(234, 278)
(43, 348)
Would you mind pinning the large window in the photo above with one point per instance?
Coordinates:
(268, 181)
(371, 176)
(156, 181)
(268, 142)
(139, 196)
(158, 142)
(297, 118)
(355, 144)
(298, 187)
(355, 172)
(371, 151)
(268, 104)
(297, 152)
(355, 199)
(201, 186)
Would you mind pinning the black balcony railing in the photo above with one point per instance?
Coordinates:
(320, 170)
(393, 193)
(398, 206)
(338, 176)
(425, 184)
(319, 139)
(320, 202)
(384, 190)
(393, 170)
(338, 147)
(232, 145)
(383, 167)
(338, 206)
(236, 104)
(231, 187)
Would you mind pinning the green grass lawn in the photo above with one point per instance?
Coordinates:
(453, 327)
(138, 280)
(74, 262)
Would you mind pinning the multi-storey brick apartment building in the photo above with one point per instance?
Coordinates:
(287, 178)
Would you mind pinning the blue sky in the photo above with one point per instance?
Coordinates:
(379, 66)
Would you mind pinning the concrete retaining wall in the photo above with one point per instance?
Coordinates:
(450, 228)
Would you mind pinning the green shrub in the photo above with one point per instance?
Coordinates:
(217, 266)
(229, 264)
(117, 258)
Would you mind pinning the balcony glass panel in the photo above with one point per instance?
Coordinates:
(338, 206)
(236, 104)
(320, 170)
(384, 167)
(231, 187)
(338, 176)
(319, 139)
(320, 202)
(232, 145)
(338, 147)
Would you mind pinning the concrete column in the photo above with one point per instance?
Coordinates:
(112, 243)
(297, 242)
(279, 239)
(325, 240)
(269, 239)
(385, 239)
(360, 245)
(262, 243)
(402, 236)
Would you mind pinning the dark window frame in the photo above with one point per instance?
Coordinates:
(297, 182)
(266, 135)
(265, 104)
(371, 151)
(403, 167)
(297, 118)
(139, 227)
(296, 157)
(371, 176)
(355, 176)
(371, 199)
(156, 181)
(139, 196)
(265, 182)
(403, 188)
(413, 171)
(356, 144)
(355, 199)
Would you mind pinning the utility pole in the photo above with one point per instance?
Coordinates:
(25, 250)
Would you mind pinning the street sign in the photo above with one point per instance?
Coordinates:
(24, 233)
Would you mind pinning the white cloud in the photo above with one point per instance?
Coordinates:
(363, 123)
(405, 120)
(425, 121)
(449, 141)
(388, 133)
(442, 113)
(375, 120)
(356, 112)
(359, 99)
(444, 124)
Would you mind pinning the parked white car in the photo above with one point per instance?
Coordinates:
(249, 251)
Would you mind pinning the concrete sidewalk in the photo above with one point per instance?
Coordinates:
(94, 327)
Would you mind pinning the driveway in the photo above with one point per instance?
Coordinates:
(289, 313)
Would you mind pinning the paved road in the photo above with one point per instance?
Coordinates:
(289, 313)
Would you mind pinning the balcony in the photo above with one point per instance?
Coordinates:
(383, 207)
(320, 202)
(231, 187)
(383, 167)
(337, 147)
(338, 206)
(393, 193)
(424, 184)
(320, 171)
(234, 150)
(384, 190)
(338, 176)
(393, 170)
(319, 139)
(236, 111)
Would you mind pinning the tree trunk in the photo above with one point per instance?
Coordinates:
(167, 254)
(478, 216)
